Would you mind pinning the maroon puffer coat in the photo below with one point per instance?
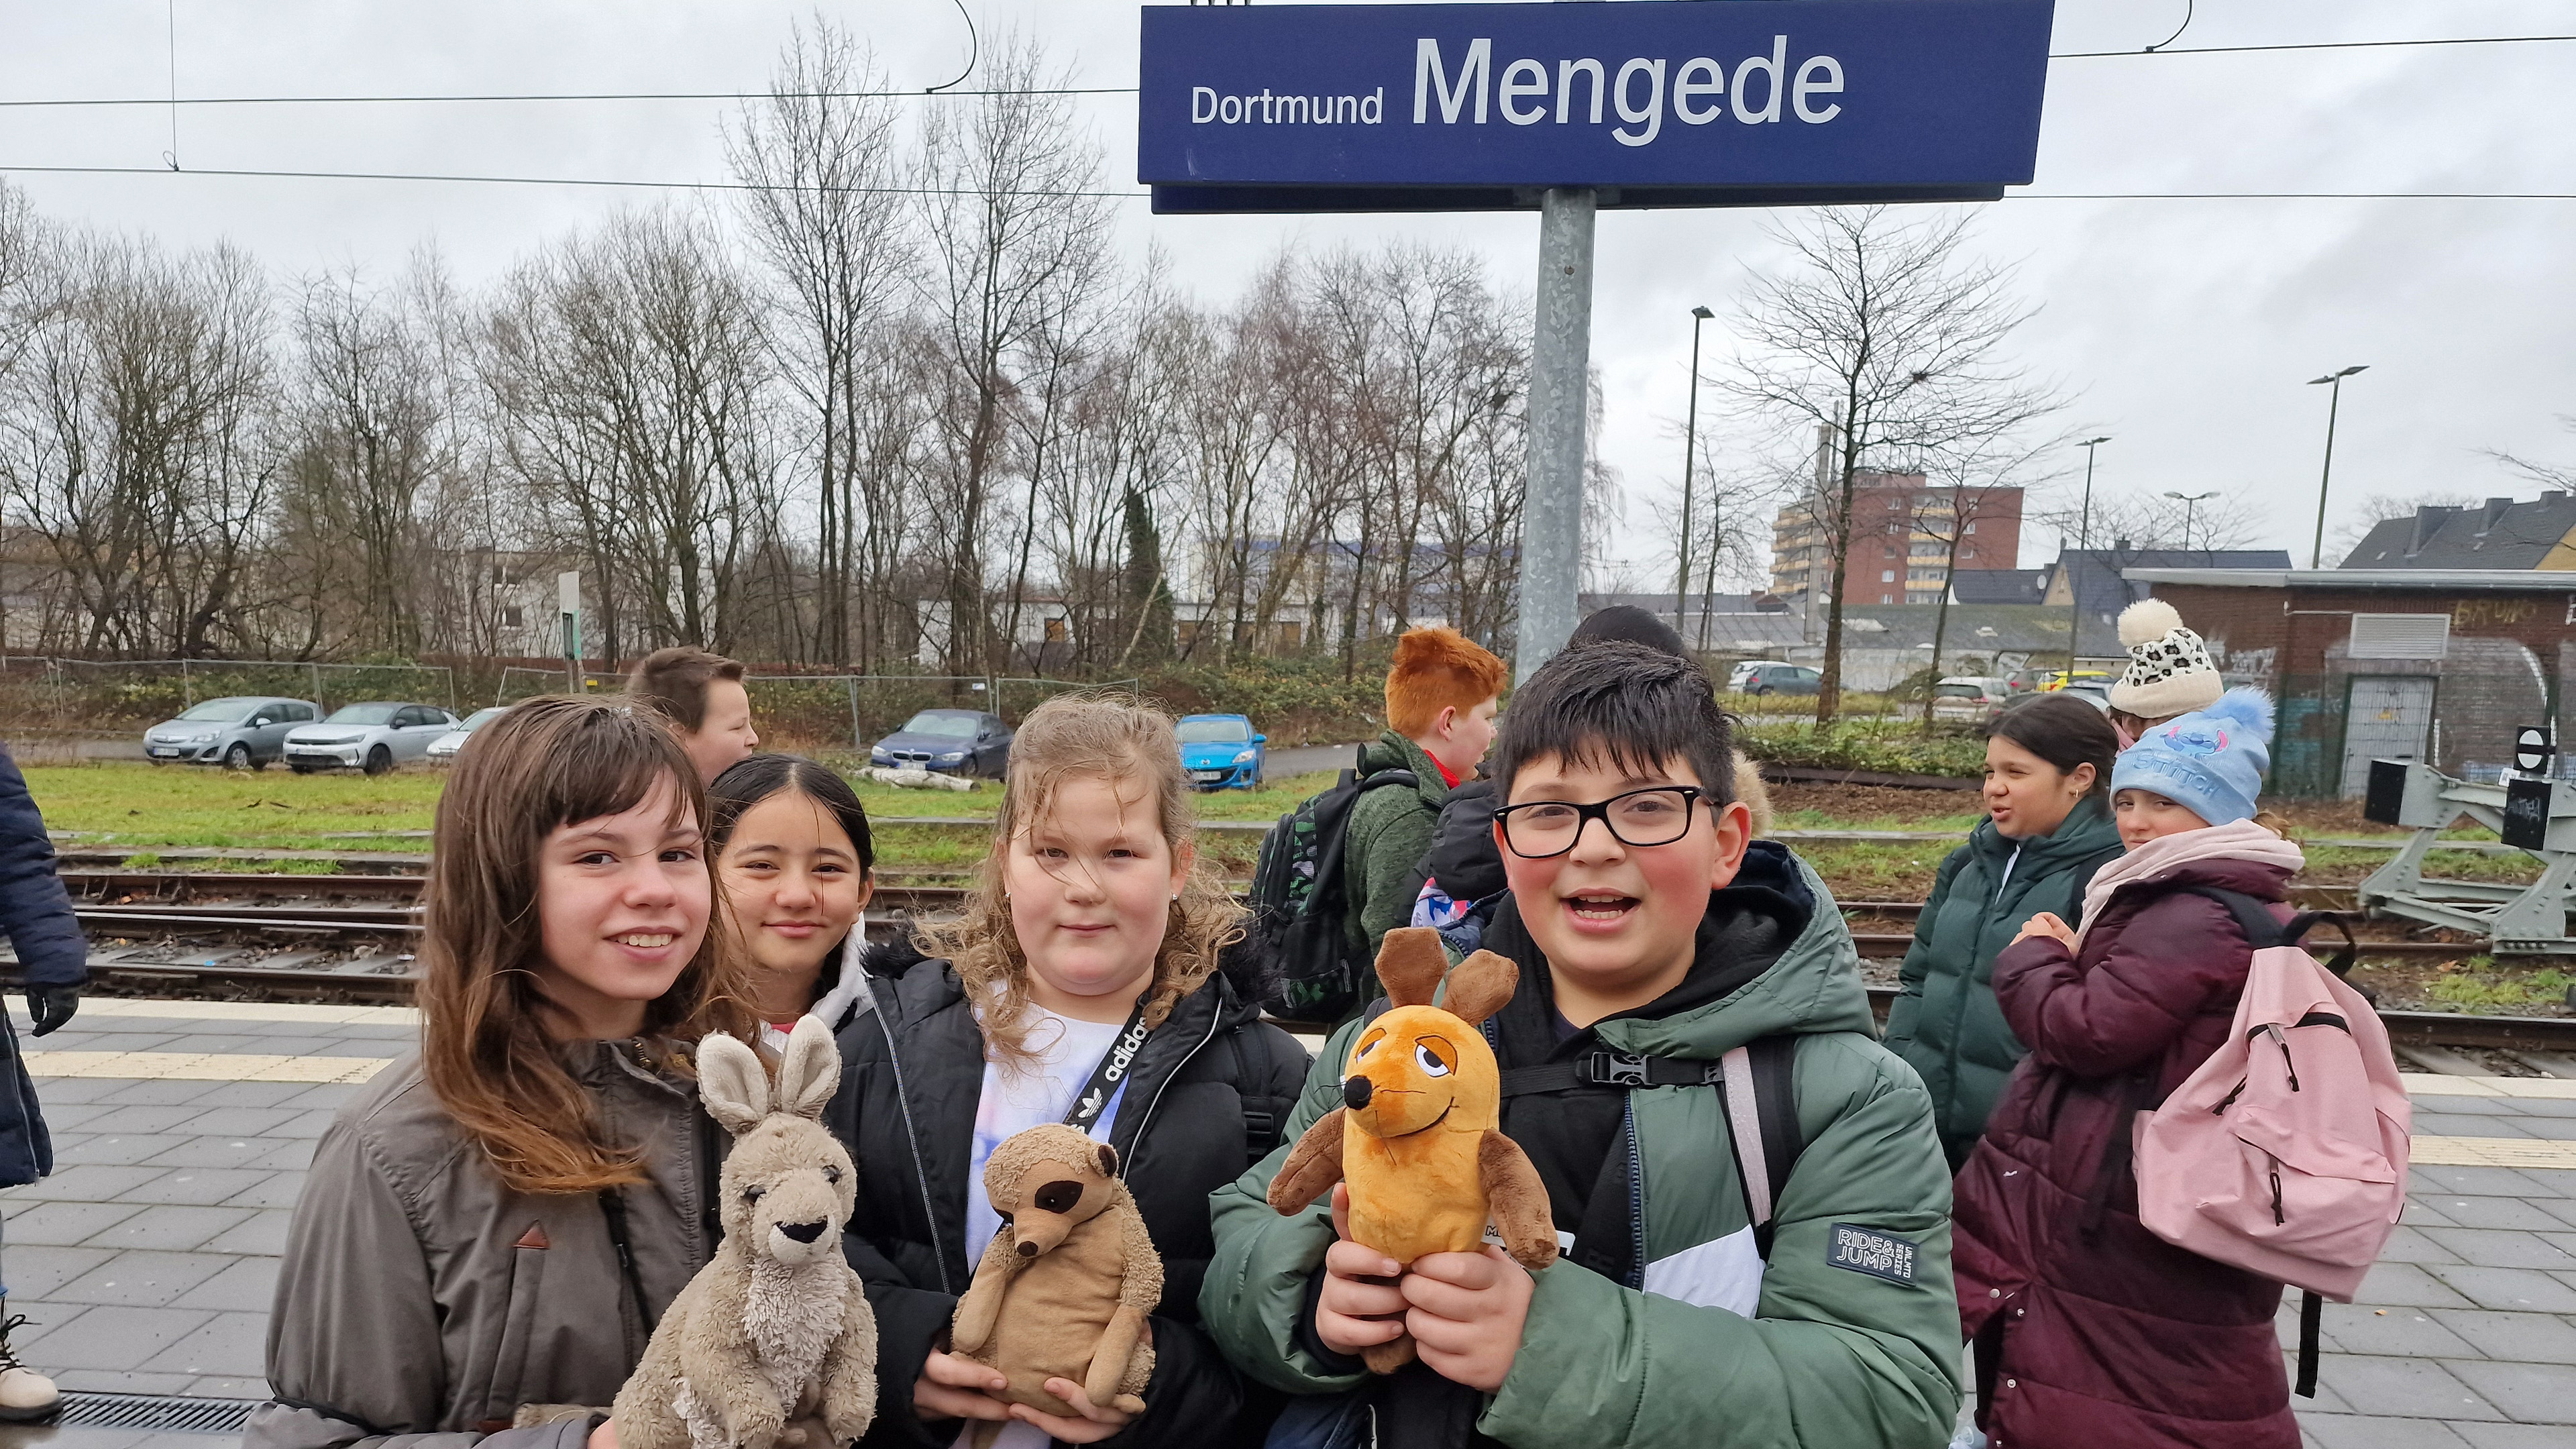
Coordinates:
(2090, 1330)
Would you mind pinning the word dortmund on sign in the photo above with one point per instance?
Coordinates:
(1475, 107)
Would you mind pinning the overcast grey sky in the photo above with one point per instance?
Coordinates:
(2187, 329)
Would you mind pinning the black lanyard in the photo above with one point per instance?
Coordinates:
(1110, 1074)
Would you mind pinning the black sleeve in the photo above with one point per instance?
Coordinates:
(34, 909)
(1278, 1087)
(910, 1323)
(1193, 1394)
(1463, 856)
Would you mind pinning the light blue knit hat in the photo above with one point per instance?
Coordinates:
(2211, 763)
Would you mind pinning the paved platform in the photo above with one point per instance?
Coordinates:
(146, 1263)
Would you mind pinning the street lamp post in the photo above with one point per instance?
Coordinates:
(2083, 541)
(2334, 380)
(2190, 505)
(1690, 439)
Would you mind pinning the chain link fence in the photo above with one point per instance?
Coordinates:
(84, 696)
(830, 707)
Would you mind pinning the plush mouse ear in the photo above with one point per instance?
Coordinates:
(1479, 985)
(810, 1070)
(1409, 964)
(732, 1083)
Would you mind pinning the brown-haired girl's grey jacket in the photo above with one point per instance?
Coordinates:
(421, 1303)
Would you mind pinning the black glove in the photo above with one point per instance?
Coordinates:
(51, 1005)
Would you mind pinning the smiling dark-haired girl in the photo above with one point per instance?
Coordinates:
(491, 1231)
(797, 863)
(1080, 985)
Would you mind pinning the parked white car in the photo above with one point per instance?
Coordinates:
(1968, 697)
(442, 751)
(373, 737)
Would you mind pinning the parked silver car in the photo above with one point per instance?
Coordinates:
(442, 751)
(240, 731)
(373, 737)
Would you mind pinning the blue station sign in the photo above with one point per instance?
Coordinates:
(1283, 108)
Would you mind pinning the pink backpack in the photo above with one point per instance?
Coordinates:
(2285, 1154)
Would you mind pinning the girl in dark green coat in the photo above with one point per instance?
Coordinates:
(2047, 830)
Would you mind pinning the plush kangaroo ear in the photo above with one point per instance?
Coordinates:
(1108, 1157)
(732, 1083)
(1479, 985)
(1409, 964)
(811, 1069)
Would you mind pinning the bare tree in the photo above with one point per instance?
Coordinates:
(138, 442)
(1016, 244)
(827, 216)
(1882, 331)
(2132, 522)
(633, 374)
(368, 431)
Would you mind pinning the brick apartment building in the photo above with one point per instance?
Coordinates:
(1901, 537)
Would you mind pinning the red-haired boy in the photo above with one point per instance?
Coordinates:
(1441, 696)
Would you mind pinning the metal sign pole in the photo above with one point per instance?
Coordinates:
(1559, 407)
(568, 603)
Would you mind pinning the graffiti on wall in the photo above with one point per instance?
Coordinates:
(2489, 613)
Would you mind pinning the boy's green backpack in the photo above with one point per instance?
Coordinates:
(1300, 903)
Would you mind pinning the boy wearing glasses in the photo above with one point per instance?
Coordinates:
(1756, 1242)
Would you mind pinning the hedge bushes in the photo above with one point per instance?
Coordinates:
(1892, 746)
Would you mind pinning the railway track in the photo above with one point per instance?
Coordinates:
(350, 937)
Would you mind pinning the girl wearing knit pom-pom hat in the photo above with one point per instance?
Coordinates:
(2083, 1321)
(2169, 673)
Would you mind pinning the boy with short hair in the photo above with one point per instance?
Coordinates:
(704, 698)
(1441, 696)
(1651, 937)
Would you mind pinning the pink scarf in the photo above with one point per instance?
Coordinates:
(2161, 857)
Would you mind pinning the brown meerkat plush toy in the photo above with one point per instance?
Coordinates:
(1418, 1135)
(1065, 1286)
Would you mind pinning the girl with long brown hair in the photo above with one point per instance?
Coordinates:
(1080, 985)
(490, 1232)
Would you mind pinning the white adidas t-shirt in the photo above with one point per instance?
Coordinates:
(1014, 1101)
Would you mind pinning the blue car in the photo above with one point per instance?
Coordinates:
(1221, 752)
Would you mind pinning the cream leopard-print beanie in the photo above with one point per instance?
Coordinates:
(2169, 671)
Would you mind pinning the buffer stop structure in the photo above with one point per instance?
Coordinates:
(2527, 810)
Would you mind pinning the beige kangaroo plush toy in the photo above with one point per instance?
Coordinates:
(775, 1327)
(1065, 1286)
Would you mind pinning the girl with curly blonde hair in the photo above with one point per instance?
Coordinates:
(1082, 985)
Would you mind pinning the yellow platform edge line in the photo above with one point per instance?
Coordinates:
(203, 1066)
(182, 1010)
(2431, 1084)
(2493, 1152)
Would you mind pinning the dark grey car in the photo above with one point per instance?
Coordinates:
(951, 741)
(1782, 679)
(242, 731)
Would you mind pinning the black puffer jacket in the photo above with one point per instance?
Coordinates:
(38, 918)
(1206, 1099)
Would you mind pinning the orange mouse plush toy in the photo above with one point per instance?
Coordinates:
(1418, 1135)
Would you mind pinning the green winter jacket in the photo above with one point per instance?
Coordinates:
(1945, 1021)
(1390, 831)
(1834, 1357)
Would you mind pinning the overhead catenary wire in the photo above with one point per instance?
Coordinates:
(1142, 195)
(494, 180)
(551, 96)
(532, 97)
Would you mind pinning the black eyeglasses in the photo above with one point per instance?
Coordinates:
(1542, 829)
